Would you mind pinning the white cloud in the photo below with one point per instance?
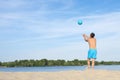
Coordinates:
(104, 24)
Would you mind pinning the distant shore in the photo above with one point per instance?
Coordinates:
(45, 62)
(87, 74)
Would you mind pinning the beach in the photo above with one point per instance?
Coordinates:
(62, 75)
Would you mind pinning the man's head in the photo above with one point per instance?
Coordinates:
(92, 35)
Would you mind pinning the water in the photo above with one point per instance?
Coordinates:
(57, 68)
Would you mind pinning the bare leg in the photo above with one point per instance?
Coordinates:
(93, 63)
(88, 62)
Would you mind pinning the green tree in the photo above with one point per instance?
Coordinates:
(59, 62)
(102, 62)
(0, 63)
(76, 62)
(43, 62)
(51, 62)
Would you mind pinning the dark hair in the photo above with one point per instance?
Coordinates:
(92, 35)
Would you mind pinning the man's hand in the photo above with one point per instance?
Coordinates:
(85, 37)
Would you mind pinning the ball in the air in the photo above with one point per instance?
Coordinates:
(80, 22)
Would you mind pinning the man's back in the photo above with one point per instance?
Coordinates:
(92, 43)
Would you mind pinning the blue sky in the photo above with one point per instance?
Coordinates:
(37, 29)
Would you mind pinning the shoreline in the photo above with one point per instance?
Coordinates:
(57, 68)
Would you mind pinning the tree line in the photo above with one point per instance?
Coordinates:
(45, 62)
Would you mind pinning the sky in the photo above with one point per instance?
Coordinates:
(38, 29)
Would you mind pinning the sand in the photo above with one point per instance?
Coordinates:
(62, 75)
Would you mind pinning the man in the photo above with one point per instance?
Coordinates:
(92, 49)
